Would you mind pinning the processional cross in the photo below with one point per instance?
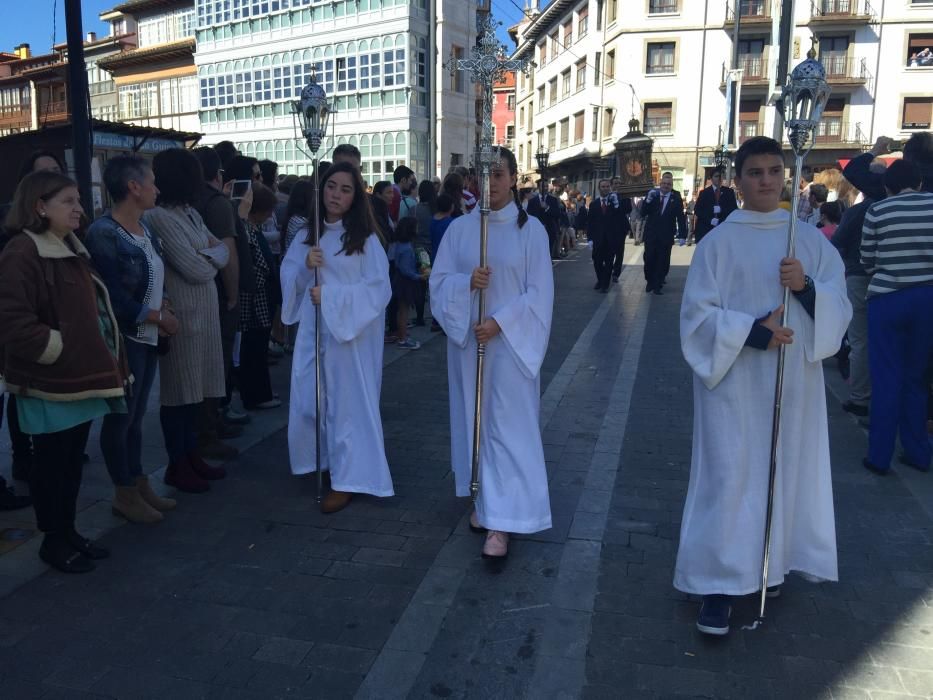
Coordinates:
(487, 65)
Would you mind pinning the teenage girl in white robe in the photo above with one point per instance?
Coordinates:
(353, 291)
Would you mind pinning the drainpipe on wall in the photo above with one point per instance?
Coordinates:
(696, 155)
(874, 98)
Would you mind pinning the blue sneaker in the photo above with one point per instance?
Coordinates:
(714, 615)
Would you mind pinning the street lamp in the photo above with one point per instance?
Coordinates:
(542, 155)
(312, 112)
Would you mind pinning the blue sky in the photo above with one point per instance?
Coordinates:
(30, 21)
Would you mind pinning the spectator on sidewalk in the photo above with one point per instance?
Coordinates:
(256, 309)
(193, 368)
(848, 240)
(730, 333)
(352, 292)
(897, 251)
(519, 284)
(347, 153)
(818, 195)
(129, 258)
(453, 188)
(406, 280)
(830, 216)
(298, 213)
(62, 355)
(424, 213)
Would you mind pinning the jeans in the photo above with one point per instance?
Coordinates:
(859, 375)
(55, 478)
(179, 431)
(900, 338)
(121, 438)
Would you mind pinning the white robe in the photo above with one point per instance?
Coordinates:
(513, 495)
(734, 279)
(355, 290)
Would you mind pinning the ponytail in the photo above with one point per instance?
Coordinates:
(522, 214)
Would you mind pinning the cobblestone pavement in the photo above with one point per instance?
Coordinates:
(248, 592)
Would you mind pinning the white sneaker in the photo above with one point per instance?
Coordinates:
(409, 344)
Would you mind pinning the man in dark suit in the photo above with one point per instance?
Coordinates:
(713, 205)
(624, 228)
(607, 224)
(664, 220)
(546, 207)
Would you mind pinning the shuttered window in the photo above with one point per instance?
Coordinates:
(918, 113)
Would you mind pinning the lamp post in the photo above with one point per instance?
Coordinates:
(802, 101)
(543, 155)
(312, 112)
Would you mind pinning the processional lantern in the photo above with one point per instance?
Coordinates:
(313, 112)
(633, 161)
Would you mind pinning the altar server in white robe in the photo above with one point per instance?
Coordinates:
(730, 331)
(519, 283)
(353, 291)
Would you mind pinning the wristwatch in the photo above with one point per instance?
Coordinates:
(807, 285)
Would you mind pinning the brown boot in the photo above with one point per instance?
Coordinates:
(151, 497)
(129, 504)
(335, 500)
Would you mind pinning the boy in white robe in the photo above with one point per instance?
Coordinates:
(519, 284)
(730, 331)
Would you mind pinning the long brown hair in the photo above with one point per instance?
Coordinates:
(509, 157)
(359, 222)
(35, 187)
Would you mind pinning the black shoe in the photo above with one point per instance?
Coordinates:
(615, 278)
(648, 289)
(872, 468)
(855, 409)
(598, 286)
(658, 291)
(604, 290)
(714, 615)
(436, 327)
(10, 501)
(21, 468)
(60, 555)
(86, 546)
(905, 460)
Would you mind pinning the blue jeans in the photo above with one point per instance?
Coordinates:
(900, 343)
(121, 437)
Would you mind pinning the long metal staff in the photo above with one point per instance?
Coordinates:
(487, 65)
(314, 111)
(801, 105)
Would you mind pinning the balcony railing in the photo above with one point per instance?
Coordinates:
(15, 116)
(748, 128)
(844, 69)
(56, 109)
(662, 7)
(754, 69)
(833, 130)
(749, 10)
(841, 10)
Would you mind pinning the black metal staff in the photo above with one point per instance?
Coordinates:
(313, 111)
(801, 106)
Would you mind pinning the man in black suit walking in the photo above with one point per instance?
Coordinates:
(713, 205)
(624, 228)
(664, 219)
(546, 208)
(607, 225)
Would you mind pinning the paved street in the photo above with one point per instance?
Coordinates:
(248, 592)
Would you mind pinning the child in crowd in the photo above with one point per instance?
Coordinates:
(405, 279)
(443, 214)
(830, 216)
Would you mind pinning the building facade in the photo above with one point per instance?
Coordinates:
(669, 64)
(503, 111)
(156, 82)
(380, 61)
(33, 90)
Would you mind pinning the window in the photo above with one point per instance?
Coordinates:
(510, 102)
(567, 30)
(583, 18)
(594, 128)
(578, 128)
(581, 75)
(831, 126)
(749, 112)
(611, 11)
(607, 123)
(662, 7)
(542, 52)
(920, 51)
(139, 100)
(521, 115)
(565, 83)
(456, 159)
(552, 85)
(917, 113)
(552, 136)
(457, 82)
(611, 65)
(834, 51)
(555, 46)
(541, 98)
(597, 68)
(599, 15)
(510, 133)
(564, 132)
(660, 58)
(751, 58)
(658, 118)
(165, 28)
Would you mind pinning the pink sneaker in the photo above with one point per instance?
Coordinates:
(497, 545)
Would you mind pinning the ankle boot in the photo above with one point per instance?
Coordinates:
(151, 497)
(205, 470)
(129, 504)
(180, 475)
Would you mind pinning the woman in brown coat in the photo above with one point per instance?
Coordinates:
(60, 353)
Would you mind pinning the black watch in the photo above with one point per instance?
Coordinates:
(807, 285)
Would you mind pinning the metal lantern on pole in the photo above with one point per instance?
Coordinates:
(312, 113)
(633, 161)
(802, 101)
(542, 156)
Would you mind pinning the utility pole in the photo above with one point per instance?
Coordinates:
(786, 46)
(77, 104)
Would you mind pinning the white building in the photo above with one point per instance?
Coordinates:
(665, 62)
(394, 99)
